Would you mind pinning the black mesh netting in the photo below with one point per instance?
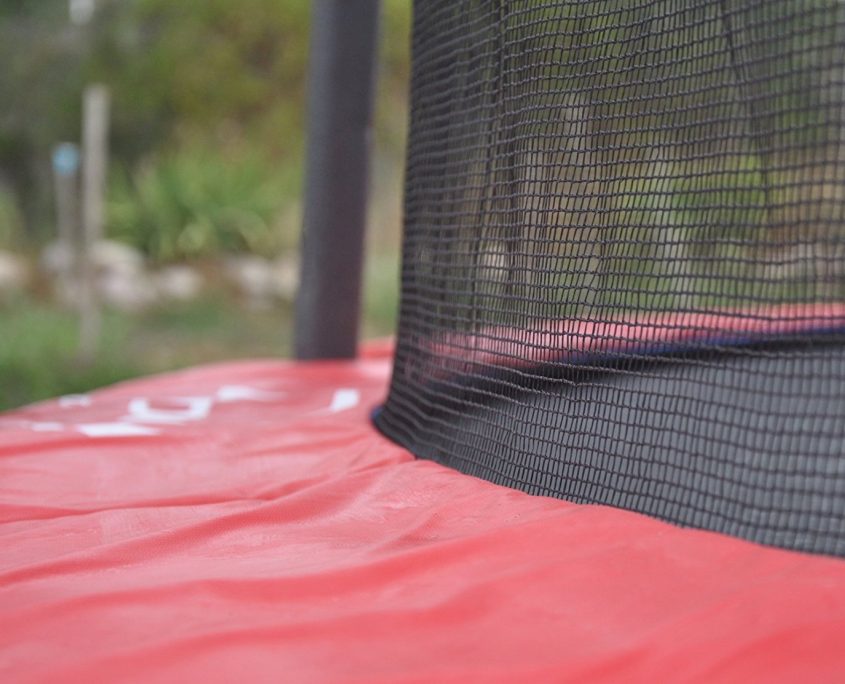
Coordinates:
(624, 257)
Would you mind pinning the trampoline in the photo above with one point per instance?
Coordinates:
(668, 416)
(605, 445)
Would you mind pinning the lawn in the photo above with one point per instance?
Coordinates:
(38, 342)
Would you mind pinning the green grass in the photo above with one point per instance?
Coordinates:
(381, 295)
(38, 350)
(38, 344)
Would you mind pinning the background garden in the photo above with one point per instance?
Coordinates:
(728, 185)
(204, 182)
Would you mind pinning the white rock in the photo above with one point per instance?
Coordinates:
(56, 258)
(117, 256)
(67, 292)
(253, 276)
(14, 272)
(127, 291)
(180, 283)
(263, 280)
(108, 256)
(286, 278)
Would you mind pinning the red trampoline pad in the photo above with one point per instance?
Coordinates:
(245, 522)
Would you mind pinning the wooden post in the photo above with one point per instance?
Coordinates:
(95, 130)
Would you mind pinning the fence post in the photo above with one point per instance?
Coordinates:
(344, 46)
(95, 131)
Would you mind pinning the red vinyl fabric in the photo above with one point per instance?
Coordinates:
(244, 522)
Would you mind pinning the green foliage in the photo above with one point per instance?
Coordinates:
(205, 68)
(196, 203)
(391, 117)
(381, 288)
(724, 204)
(684, 233)
(11, 223)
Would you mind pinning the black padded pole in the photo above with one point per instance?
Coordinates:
(340, 105)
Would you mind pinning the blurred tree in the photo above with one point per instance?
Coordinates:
(201, 68)
(39, 84)
(194, 73)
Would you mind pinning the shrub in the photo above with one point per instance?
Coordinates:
(198, 203)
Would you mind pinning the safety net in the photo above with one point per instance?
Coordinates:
(623, 274)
